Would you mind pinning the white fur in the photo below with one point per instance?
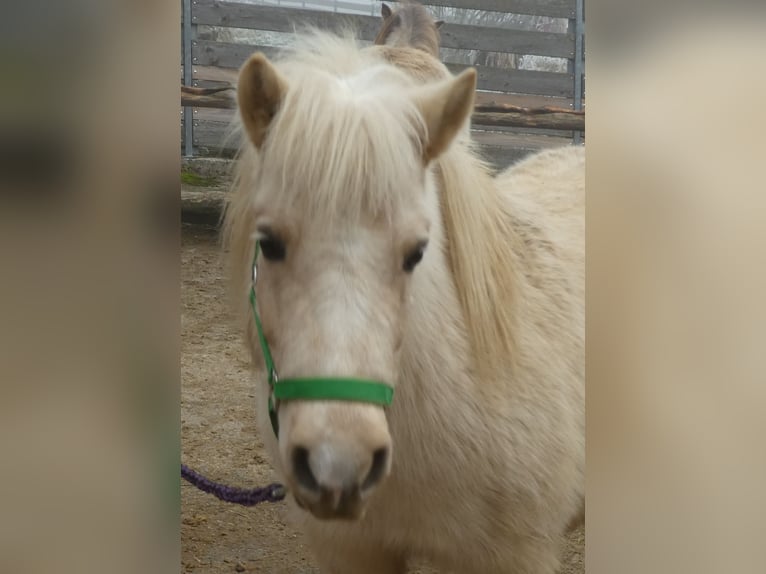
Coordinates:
(484, 341)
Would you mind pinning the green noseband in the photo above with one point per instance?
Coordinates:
(312, 388)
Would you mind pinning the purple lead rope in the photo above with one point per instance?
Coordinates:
(246, 497)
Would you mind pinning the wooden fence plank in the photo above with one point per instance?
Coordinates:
(210, 76)
(220, 107)
(523, 100)
(223, 116)
(550, 8)
(278, 19)
(225, 55)
(212, 73)
(520, 81)
(212, 138)
(467, 37)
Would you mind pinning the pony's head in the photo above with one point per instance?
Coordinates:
(335, 187)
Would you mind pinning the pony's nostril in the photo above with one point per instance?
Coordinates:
(302, 470)
(378, 468)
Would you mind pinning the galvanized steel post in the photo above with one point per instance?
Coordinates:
(186, 17)
(579, 59)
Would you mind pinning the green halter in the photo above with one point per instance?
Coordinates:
(312, 388)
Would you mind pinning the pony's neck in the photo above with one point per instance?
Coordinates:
(483, 256)
(462, 315)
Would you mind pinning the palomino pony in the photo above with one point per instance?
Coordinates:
(411, 25)
(387, 250)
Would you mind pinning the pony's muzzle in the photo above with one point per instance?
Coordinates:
(335, 480)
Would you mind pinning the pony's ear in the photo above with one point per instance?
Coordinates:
(385, 11)
(445, 107)
(260, 91)
(439, 24)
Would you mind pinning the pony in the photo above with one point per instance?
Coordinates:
(390, 251)
(411, 25)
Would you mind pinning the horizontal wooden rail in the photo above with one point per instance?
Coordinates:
(517, 117)
(485, 115)
(222, 98)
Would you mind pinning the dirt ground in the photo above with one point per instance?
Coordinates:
(220, 440)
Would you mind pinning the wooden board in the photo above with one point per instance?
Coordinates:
(459, 36)
(521, 81)
(467, 37)
(210, 76)
(226, 55)
(522, 100)
(550, 8)
(215, 74)
(212, 138)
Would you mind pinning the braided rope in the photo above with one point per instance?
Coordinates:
(246, 497)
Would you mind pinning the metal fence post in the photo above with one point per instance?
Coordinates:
(579, 59)
(186, 17)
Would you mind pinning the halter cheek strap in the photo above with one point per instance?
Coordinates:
(312, 388)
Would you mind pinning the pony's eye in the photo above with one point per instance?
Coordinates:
(414, 257)
(272, 248)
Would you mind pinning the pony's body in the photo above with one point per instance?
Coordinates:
(487, 423)
(490, 470)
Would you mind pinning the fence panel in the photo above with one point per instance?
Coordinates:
(457, 36)
(208, 62)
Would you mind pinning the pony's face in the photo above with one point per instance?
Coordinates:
(343, 226)
(332, 302)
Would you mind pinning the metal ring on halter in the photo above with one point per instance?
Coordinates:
(272, 391)
(273, 376)
(275, 380)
